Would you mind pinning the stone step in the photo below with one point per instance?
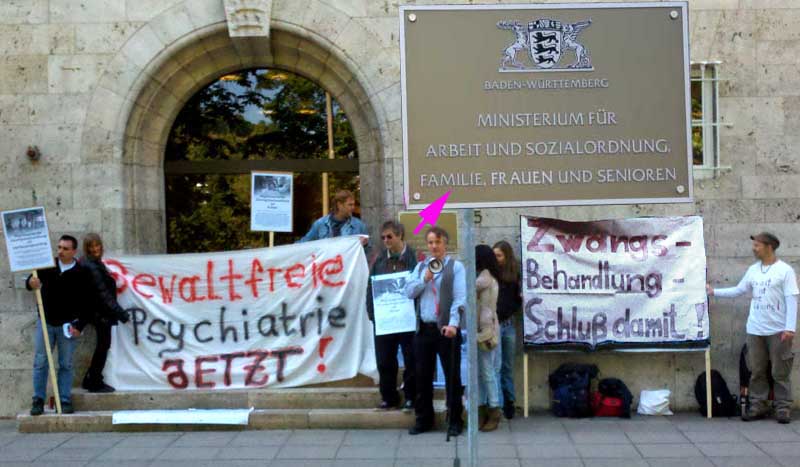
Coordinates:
(294, 398)
(260, 419)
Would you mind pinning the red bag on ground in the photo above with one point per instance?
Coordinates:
(604, 406)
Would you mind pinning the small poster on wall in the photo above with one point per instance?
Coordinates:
(271, 198)
(27, 239)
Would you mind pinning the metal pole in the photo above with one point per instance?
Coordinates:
(329, 117)
(467, 241)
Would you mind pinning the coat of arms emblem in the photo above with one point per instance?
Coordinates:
(547, 41)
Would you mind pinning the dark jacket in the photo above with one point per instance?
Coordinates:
(103, 304)
(384, 264)
(63, 294)
(508, 300)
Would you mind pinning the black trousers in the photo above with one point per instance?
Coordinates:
(386, 356)
(94, 375)
(428, 344)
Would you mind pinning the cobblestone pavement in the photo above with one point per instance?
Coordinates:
(685, 440)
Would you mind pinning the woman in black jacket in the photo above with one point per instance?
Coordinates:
(509, 303)
(104, 310)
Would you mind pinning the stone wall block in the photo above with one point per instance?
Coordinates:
(205, 12)
(173, 23)
(771, 187)
(143, 47)
(86, 11)
(23, 74)
(106, 107)
(100, 145)
(747, 115)
(14, 109)
(146, 10)
(103, 38)
(24, 11)
(58, 108)
(98, 185)
(74, 73)
(733, 240)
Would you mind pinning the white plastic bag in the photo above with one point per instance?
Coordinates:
(654, 402)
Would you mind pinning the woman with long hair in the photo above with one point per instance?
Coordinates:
(104, 310)
(488, 338)
(509, 303)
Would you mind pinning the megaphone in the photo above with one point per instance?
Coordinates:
(435, 266)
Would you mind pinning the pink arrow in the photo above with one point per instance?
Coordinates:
(431, 213)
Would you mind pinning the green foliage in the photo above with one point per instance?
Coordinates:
(250, 115)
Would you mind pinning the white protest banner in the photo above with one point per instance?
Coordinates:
(620, 283)
(271, 201)
(280, 317)
(27, 239)
(394, 311)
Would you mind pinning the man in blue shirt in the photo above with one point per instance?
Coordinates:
(338, 223)
(440, 300)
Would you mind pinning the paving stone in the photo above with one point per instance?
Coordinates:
(599, 437)
(261, 438)
(540, 438)
(714, 436)
(684, 450)
(149, 441)
(780, 449)
(589, 451)
(657, 437)
(744, 462)
(489, 451)
(209, 439)
(371, 437)
(741, 449)
(118, 453)
(94, 440)
(248, 452)
(189, 453)
(615, 463)
(771, 435)
(71, 454)
(547, 451)
(316, 437)
(309, 451)
(788, 461)
(301, 463)
(690, 462)
(428, 451)
(377, 451)
(363, 463)
(551, 463)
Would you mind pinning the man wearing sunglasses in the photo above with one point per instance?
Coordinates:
(396, 256)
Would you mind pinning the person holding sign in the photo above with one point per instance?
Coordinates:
(439, 289)
(62, 290)
(770, 327)
(340, 222)
(397, 256)
(106, 311)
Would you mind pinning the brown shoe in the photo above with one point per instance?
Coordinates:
(483, 415)
(750, 415)
(783, 417)
(492, 420)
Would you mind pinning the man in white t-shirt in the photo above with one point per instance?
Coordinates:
(770, 327)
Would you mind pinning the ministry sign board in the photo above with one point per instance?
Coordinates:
(525, 105)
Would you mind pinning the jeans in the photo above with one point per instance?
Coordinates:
(488, 387)
(505, 365)
(65, 347)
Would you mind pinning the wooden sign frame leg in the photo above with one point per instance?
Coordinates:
(46, 336)
(525, 382)
(708, 382)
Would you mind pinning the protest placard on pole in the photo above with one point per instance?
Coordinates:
(29, 249)
(394, 311)
(271, 196)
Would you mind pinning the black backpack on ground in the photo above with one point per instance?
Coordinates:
(613, 387)
(571, 385)
(723, 404)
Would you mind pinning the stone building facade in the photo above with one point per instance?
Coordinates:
(96, 85)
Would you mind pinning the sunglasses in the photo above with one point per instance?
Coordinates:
(387, 237)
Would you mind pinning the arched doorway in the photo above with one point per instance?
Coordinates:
(254, 119)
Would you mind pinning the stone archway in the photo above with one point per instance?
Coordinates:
(171, 58)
